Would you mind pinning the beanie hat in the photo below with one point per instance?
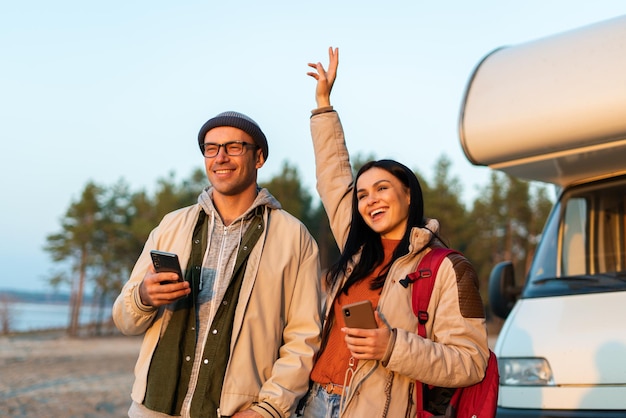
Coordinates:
(239, 121)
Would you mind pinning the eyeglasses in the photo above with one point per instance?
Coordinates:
(234, 148)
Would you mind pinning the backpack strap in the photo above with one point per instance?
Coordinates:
(423, 283)
(423, 280)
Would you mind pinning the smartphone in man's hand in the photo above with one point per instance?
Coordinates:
(165, 262)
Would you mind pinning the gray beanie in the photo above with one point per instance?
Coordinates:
(239, 121)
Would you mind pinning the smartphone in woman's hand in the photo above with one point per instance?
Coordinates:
(359, 315)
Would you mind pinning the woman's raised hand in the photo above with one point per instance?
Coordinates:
(325, 79)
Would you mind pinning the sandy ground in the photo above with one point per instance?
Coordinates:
(51, 375)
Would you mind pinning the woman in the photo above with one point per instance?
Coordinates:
(378, 222)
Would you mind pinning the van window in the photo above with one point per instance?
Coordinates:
(574, 259)
(583, 244)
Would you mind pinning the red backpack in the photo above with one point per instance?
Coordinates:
(476, 401)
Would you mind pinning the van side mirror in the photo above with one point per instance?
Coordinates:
(502, 290)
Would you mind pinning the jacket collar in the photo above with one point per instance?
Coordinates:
(421, 237)
(263, 198)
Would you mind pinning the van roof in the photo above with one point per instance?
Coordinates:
(551, 110)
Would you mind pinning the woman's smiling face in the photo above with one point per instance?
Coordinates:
(383, 202)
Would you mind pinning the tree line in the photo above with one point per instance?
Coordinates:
(103, 231)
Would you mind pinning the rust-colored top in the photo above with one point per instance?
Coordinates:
(332, 364)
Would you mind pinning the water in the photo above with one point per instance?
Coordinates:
(40, 316)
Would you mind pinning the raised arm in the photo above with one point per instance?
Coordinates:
(332, 161)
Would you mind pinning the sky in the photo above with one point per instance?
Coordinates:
(117, 90)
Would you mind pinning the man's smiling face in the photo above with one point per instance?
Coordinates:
(232, 175)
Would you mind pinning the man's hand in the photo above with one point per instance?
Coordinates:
(325, 79)
(155, 294)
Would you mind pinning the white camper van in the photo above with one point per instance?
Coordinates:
(554, 110)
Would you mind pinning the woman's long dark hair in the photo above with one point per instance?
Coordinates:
(361, 236)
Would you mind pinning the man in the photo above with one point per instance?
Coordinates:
(238, 335)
